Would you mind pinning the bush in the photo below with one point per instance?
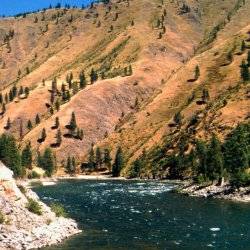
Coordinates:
(58, 209)
(2, 218)
(34, 175)
(240, 180)
(22, 189)
(34, 207)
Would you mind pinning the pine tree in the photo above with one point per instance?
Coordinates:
(178, 118)
(93, 76)
(69, 165)
(215, 159)
(48, 162)
(58, 138)
(57, 105)
(1, 98)
(98, 157)
(118, 163)
(72, 124)
(43, 135)
(10, 155)
(248, 58)
(57, 123)
(54, 85)
(197, 72)
(201, 152)
(37, 120)
(27, 156)
(107, 159)
(82, 80)
(244, 71)
(29, 125)
(237, 150)
(91, 159)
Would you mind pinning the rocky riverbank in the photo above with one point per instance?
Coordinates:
(23, 229)
(213, 191)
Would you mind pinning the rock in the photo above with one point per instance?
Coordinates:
(26, 230)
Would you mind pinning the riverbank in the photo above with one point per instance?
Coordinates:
(21, 227)
(185, 187)
(219, 192)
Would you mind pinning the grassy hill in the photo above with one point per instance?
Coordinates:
(145, 54)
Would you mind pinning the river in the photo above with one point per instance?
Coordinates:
(147, 215)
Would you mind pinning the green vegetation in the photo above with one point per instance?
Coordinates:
(47, 161)
(208, 162)
(34, 207)
(58, 209)
(118, 163)
(10, 155)
(2, 218)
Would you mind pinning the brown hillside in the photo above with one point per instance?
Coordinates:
(132, 111)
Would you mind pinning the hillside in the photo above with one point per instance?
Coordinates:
(144, 54)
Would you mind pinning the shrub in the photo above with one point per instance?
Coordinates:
(34, 175)
(2, 219)
(240, 179)
(22, 189)
(34, 207)
(58, 209)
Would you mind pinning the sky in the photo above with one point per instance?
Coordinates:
(12, 7)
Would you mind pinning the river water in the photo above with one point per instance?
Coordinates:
(147, 215)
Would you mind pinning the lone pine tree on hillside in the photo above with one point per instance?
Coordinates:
(244, 71)
(93, 76)
(58, 138)
(29, 125)
(72, 124)
(82, 80)
(48, 162)
(37, 119)
(98, 157)
(197, 72)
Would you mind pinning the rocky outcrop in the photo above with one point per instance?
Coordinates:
(214, 191)
(22, 229)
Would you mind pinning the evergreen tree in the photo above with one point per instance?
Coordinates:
(57, 123)
(93, 76)
(1, 98)
(237, 149)
(91, 159)
(82, 80)
(215, 159)
(178, 118)
(98, 157)
(197, 72)
(244, 72)
(10, 155)
(57, 105)
(48, 162)
(201, 152)
(107, 159)
(72, 124)
(37, 120)
(43, 135)
(118, 163)
(29, 125)
(58, 138)
(248, 58)
(27, 156)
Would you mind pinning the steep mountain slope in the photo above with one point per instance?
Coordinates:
(163, 41)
